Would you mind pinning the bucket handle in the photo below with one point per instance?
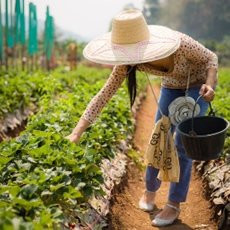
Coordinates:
(211, 112)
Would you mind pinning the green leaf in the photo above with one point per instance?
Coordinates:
(73, 193)
(28, 192)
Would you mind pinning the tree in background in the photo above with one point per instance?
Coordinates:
(205, 20)
(170, 13)
(151, 11)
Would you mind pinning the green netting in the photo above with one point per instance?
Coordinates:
(22, 18)
(1, 34)
(15, 32)
(17, 21)
(9, 24)
(33, 41)
(49, 35)
(20, 22)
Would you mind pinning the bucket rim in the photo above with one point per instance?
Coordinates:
(206, 135)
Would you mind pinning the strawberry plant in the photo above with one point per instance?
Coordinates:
(44, 177)
(221, 103)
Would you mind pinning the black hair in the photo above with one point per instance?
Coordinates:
(132, 83)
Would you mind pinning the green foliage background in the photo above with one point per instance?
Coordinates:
(205, 20)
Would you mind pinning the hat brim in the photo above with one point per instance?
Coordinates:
(162, 43)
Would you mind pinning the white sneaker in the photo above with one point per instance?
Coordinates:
(159, 222)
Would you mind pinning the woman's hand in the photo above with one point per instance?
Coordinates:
(74, 137)
(207, 92)
(81, 126)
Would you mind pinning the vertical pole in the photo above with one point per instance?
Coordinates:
(10, 34)
(23, 36)
(1, 37)
(6, 32)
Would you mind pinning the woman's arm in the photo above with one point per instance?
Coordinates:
(196, 52)
(207, 89)
(211, 77)
(98, 102)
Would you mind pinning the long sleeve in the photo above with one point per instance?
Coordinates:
(196, 52)
(105, 94)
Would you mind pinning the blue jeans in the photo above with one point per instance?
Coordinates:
(178, 191)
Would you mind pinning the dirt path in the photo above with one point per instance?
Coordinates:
(125, 213)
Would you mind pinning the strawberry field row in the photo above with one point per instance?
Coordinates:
(44, 176)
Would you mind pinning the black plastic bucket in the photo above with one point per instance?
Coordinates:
(208, 141)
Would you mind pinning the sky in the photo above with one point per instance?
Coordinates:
(87, 18)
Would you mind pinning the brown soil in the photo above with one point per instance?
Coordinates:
(13, 133)
(125, 214)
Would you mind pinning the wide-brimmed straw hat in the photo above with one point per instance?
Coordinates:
(132, 41)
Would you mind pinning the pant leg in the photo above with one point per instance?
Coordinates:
(178, 191)
(166, 97)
